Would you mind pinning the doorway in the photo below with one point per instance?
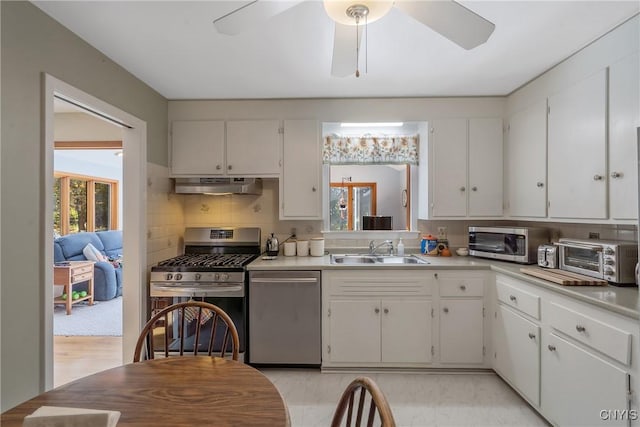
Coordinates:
(134, 214)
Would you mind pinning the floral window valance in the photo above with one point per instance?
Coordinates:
(363, 150)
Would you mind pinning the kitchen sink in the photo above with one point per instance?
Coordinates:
(376, 259)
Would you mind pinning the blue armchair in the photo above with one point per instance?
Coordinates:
(107, 278)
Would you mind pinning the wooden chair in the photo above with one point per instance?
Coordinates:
(192, 327)
(370, 392)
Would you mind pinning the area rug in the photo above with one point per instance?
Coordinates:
(101, 318)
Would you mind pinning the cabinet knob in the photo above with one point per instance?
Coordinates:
(580, 328)
(539, 184)
(229, 167)
(598, 177)
(386, 311)
(376, 310)
(474, 188)
(532, 335)
(314, 189)
(218, 167)
(435, 275)
(446, 310)
(551, 347)
(462, 189)
(512, 298)
(616, 174)
(463, 288)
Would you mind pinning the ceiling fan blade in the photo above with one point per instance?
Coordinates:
(344, 62)
(452, 20)
(250, 14)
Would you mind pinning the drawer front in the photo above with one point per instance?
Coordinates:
(461, 286)
(518, 299)
(80, 270)
(81, 277)
(597, 334)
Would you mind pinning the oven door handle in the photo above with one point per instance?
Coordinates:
(199, 288)
(580, 246)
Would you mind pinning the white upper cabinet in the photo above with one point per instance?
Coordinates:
(300, 195)
(197, 147)
(466, 168)
(253, 147)
(624, 118)
(485, 167)
(246, 148)
(526, 166)
(448, 168)
(578, 151)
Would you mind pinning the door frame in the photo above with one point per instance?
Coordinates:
(134, 138)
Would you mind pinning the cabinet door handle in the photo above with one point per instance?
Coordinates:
(218, 167)
(580, 328)
(462, 189)
(551, 347)
(597, 177)
(386, 311)
(313, 189)
(532, 335)
(435, 275)
(463, 288)
(446, 310)
(474, 188)
(539, 184)
(512, 298)
(229, 167)
(616, 174)
(377, 310)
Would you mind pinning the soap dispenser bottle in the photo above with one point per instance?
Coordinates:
(400, 248)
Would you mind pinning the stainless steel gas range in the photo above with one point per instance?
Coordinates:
(212, 269)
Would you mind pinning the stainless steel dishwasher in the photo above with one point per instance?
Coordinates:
(284, 317)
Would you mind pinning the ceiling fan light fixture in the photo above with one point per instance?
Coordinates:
(350, 11)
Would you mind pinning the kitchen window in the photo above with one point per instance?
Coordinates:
(84, 203)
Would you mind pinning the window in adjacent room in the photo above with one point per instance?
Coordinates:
(84, 203)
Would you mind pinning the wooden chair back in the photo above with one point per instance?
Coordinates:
(365, 398)
(189, 328)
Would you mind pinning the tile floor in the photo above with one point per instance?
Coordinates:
(416, 399)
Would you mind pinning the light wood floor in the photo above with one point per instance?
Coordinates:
(78, 356)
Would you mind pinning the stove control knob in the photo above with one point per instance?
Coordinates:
(216, 276)
(178, 276)
(609, 262)
(169, 276)
(224, 276)
(608, 271)
(609, 251)
(197, 276)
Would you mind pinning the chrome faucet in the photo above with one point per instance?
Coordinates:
(373, 247)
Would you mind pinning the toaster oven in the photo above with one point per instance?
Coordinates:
(613, 261)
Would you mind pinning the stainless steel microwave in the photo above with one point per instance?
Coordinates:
(507, 243)
(609, 260)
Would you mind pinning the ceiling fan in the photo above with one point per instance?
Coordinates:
(446, 17)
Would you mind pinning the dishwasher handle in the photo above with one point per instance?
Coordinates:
(284, 280)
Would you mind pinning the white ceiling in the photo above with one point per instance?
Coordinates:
(174, 48)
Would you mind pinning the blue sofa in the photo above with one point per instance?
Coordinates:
(107, 278)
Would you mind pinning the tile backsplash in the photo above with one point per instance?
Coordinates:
(168, 214)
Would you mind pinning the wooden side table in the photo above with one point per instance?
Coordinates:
(69, 273)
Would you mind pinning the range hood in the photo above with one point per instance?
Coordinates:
(219, 186)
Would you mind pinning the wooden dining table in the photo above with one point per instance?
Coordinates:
(177, 391)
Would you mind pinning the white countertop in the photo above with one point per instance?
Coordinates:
(622, 300)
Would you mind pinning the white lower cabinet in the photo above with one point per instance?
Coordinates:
(577, 386)
(461, 318)
(376, 319)
(574, 362)
(516, 350)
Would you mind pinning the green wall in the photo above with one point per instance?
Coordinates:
(32, 43)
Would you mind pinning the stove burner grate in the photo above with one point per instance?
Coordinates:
(208, 260)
